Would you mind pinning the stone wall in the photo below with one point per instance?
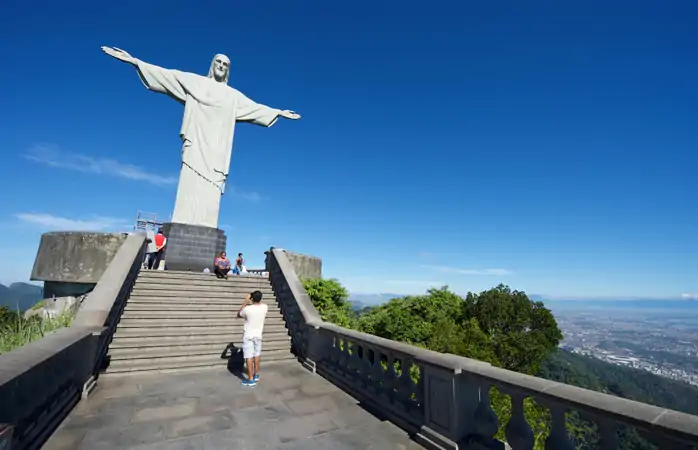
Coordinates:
(71, 263)
(42, 381)
(305, 266)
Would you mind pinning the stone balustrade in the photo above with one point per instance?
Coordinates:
(42, 381)
(443, 399)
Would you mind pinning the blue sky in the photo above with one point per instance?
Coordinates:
(549, 147)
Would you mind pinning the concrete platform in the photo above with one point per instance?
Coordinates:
(290, 408)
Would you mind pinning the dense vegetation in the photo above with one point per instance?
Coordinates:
(16, 331)
(507, 329)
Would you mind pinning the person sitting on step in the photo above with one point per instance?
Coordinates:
(254, 315)
(222, 266)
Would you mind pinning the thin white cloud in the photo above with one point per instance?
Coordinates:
(446, 269)
(246, 195)
(689, 296)
(53, 156)
(57, 223)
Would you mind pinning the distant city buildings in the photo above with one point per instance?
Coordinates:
(639, 341)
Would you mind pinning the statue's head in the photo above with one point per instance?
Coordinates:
(220, 68)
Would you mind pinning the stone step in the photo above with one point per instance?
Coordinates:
(224, 284)
(194, 302)
(187, 322)
(182, 307)
(205, 283)
(185, 288)
(165, 296)
(178, 363)
(178, 275)
(189, 329)
(193, 314)
(124, 341)
(214, 299)
(210, 281)
(137, 353)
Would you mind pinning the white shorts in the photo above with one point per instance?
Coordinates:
(251, 347)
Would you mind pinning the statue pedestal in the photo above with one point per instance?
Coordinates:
(192, 247)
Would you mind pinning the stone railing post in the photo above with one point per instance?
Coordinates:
(318, 347)
(450, 400)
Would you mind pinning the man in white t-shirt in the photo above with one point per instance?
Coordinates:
(254, 315)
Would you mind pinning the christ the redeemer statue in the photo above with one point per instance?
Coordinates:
(211, 108)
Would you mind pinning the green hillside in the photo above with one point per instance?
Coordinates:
(633, 384)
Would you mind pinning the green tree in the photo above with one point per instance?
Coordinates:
(434, 321)
(331, 299)
(522, 333)
(500, 326)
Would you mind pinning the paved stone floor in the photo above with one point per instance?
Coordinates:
(290, 408)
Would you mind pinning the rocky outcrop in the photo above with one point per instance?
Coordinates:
(51, 308)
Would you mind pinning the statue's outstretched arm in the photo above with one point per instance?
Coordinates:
(157, 79)
(288, 114)
(119, 54)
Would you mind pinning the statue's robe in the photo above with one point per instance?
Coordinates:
(211, 110)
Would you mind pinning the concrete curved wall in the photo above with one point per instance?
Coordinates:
(306, 266)
(75, 257)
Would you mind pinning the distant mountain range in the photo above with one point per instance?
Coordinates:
(20, 296)
(637, 304)
(360, 301)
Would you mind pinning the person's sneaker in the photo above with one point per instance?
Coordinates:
(248, 382)
(255, 378)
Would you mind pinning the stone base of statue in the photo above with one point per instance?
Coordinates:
(192, 247)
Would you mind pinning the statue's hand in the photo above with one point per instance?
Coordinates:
(289, 114)
(119, 54)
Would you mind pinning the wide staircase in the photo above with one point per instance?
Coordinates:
(176, 321)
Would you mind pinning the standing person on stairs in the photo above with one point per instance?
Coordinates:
(254, 315)
(238, 264)
(156, 249)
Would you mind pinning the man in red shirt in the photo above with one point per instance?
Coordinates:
(158, 243)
